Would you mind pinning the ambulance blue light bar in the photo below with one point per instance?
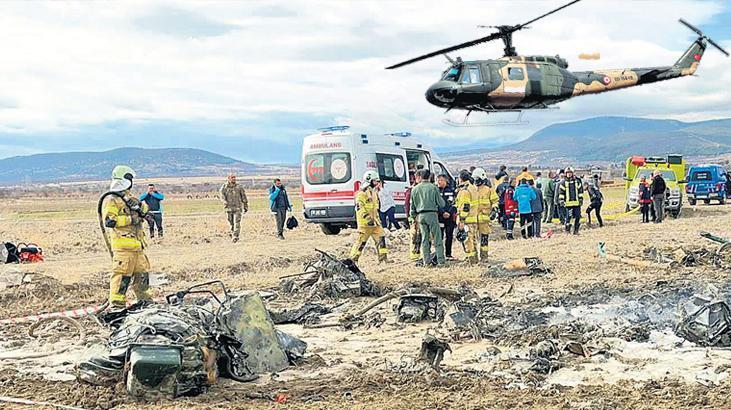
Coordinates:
(334, 128)
(399, 134)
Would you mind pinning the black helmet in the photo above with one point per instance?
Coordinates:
(464, 175)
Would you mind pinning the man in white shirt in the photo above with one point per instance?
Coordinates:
(387, 209)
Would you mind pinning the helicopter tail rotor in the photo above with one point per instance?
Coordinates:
(703, 36)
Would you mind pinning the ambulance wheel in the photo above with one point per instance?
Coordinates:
(691, 201)
(722, 201)
(330, 229)
(706, 201)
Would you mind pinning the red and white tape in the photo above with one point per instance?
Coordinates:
(81, 312)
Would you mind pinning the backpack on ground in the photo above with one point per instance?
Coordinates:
(292, 222)
(9, 253)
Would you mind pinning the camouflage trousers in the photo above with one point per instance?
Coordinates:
(234, 222)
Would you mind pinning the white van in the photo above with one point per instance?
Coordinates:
(334, 161)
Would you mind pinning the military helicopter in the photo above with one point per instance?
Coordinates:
(516, 83)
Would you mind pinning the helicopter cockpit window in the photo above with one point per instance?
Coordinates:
(471, 75)
(452, 74)
(515, 73)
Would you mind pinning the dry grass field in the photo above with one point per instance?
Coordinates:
(364, 367)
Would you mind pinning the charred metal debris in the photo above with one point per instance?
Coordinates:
(182, 347)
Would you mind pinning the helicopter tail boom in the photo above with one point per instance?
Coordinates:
(599, 81)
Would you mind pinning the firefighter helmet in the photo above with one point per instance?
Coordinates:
(122, 177)
(370, 176)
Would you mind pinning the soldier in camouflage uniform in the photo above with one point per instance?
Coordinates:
(233, 197)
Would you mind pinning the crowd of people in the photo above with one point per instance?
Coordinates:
(439, 211)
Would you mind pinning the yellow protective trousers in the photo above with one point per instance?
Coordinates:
(483, 230)
(365, 233)
(129, 268)
(473, 238)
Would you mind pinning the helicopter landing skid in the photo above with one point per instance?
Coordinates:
(465, 121)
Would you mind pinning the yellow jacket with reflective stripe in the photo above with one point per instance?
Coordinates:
(467, 203)
(486, 200)
(126, 235)
(366, 208)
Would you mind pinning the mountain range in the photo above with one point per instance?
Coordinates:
(613, 139)
(86, 166)
(594, 140)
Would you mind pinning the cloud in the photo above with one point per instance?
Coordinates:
(218, 74)
(182, 23)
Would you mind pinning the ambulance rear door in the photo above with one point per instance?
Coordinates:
(391, 162)
(329, 181)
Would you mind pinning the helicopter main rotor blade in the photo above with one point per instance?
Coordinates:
(520, 26)
(491, 37)
(690, 26)
(504, 31)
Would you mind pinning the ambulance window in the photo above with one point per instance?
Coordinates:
(417, 160)
(515, 73)
(327, 168)
(391, 167)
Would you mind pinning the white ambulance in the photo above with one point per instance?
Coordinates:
(334, 161)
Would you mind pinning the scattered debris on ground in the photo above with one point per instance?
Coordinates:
(329, 278)
(708, 325)
(531, 266)
(433, 349)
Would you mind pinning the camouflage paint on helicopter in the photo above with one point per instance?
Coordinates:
(518, 82)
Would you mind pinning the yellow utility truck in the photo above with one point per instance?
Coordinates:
(673, 170)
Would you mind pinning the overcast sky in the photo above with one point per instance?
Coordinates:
(250, 79)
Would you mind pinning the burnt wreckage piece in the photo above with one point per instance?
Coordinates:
(330, 278)
(179, 348)
(709, 325)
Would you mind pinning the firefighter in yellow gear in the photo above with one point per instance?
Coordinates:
(467, 211)
(369, 222)
(124, 217)
(487, 200)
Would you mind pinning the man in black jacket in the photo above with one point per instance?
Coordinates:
(154, 216)
(657, 189)
(447, 214)
(500, 191)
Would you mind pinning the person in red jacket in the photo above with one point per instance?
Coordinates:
(511, 208)
(645, 200)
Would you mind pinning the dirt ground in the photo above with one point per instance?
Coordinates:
(374, 367)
